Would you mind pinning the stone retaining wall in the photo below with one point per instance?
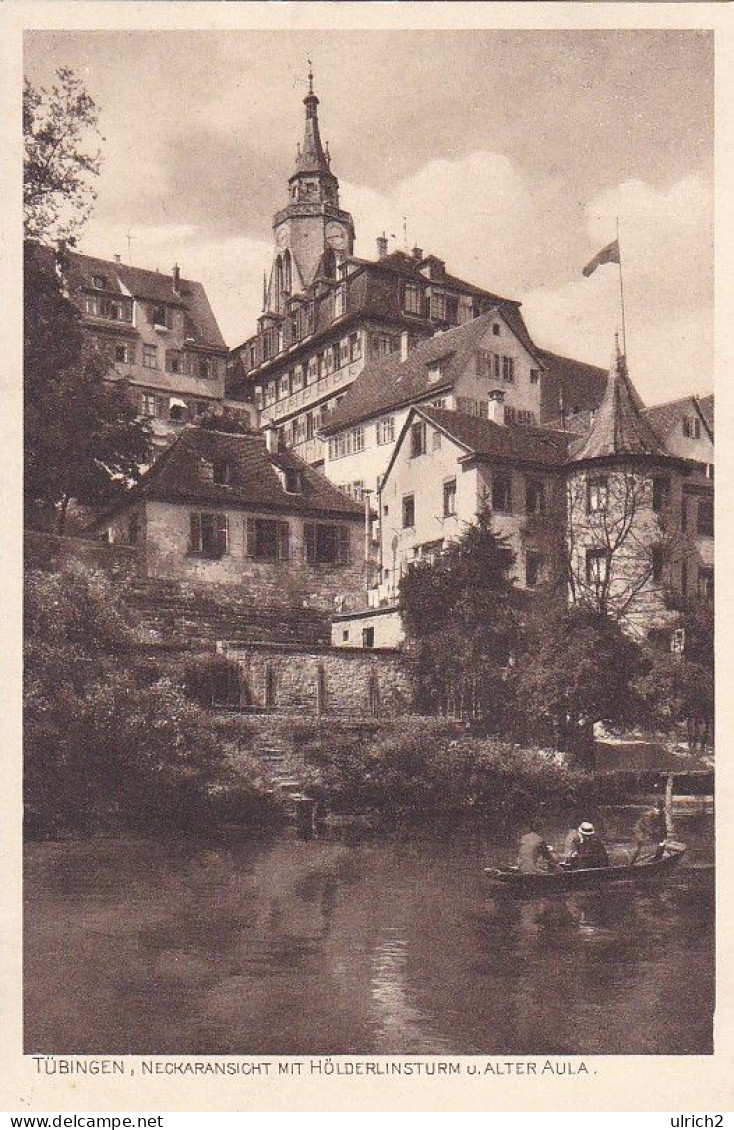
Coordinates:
(323, 682)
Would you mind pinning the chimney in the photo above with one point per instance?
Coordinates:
(418, 253)
(271, 438)
(176, 279)
(404, 344)
(381, 246)
(118, 258)
(496, 407)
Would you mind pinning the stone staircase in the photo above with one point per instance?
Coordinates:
(283, 773)
(182, 615)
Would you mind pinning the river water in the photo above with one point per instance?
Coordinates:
(387, 946)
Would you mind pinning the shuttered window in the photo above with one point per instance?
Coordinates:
(326, 544)
(268, 539)
(209, 535)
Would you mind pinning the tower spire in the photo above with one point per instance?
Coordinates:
(310, 156)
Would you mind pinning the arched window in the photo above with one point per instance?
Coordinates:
(287, 273)
(278, 277)
(321, 704)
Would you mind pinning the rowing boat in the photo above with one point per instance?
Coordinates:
(566, 879)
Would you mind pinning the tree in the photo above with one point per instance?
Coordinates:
(617, 540)
(102, 745)
(461, 617)
(575, 667)
(678, 688)
(59, 161)
(83, 440)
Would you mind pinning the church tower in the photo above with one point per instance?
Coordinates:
(312, 234)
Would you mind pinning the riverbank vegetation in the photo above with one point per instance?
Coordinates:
(530, 668)
(110, 743)
(413, 769)
(121, 736)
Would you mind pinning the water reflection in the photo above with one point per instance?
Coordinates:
(281, 947)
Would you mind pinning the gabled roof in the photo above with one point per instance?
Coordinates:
(391, 383)
(569, 386)
(484, 438)
(148, 286)
(253, 479)
(620, 425)
(665, 418)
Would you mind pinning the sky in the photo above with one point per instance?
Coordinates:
(509, 154)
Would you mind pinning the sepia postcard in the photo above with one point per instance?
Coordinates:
(359, 694)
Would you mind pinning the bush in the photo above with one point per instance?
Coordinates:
(412, 769)
(212, 680)
(101, 749)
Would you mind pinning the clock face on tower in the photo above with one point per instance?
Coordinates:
(337, 236)
(281, 237)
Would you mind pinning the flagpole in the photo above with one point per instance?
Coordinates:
(621, 293)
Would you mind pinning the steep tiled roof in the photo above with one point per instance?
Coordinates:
(666, 418)
(485, 438)
(253, 480)
(391, 383)
(150, 286)
(620, 425)
(569, 385)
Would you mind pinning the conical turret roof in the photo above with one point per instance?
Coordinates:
(619, 426)
(311, 156)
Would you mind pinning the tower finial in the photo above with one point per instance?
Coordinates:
(310, 77)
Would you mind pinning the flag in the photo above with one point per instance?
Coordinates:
(608, 254)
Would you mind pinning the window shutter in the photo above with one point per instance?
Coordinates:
(309, 531)
(195, 546)
(250, 537)
(222, 528)
(284, 541)
(343, 533)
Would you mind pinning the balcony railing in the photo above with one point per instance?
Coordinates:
(310, 450)
(306, 396)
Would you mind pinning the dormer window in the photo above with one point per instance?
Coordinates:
(293, 481)
(412, 299)
(221, 472)
(158, 316)
(99, 282)
(434, 372)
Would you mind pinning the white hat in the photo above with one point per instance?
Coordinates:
(586, 829)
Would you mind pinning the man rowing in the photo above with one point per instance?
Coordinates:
(534, 856)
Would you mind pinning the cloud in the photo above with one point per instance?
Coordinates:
(666, 239)
(230, 268)
(473, 212)
(522, 237)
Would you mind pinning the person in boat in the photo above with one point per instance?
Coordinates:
(571, 842)
(589, 851)
(651, 832)
(534, 856)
